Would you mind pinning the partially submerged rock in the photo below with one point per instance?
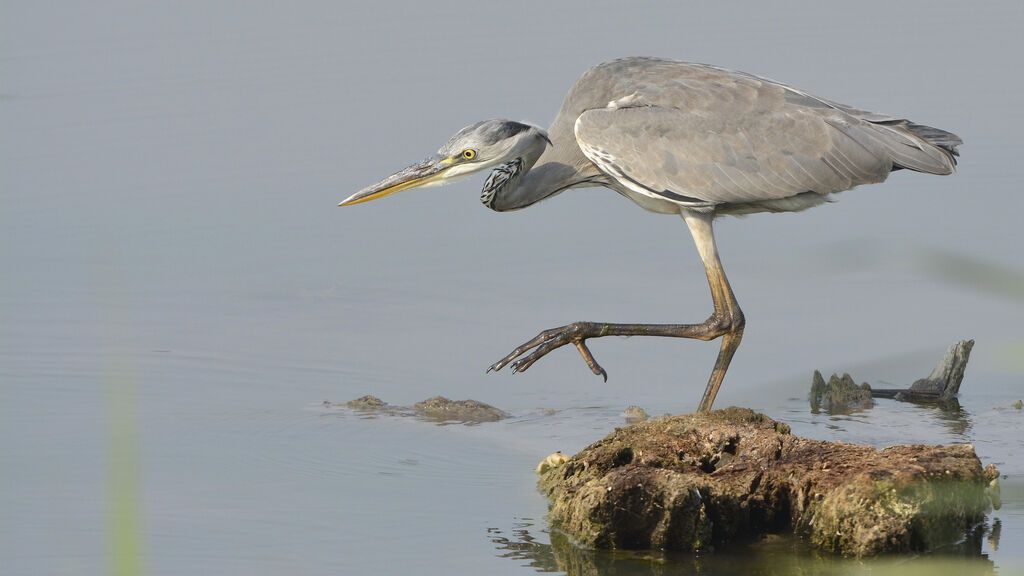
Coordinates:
(839, 395)
(443, 409)
(367, 403)
(437, 409)
(689, 482)
(635, 414)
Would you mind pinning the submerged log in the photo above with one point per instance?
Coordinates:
(690, 482)
(944, 381)
(841, 395)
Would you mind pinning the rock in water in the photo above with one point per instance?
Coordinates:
(437, 409)
(366, 403)
(689, 482)
(635, 414)
(442, 409)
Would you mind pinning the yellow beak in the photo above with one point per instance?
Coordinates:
(430, 171)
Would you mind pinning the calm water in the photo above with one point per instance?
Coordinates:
(179, 295)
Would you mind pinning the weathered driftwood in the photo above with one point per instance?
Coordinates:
(944, 381)
(689, 482)
(842, 395)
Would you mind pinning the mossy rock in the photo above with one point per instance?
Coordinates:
(690, 482)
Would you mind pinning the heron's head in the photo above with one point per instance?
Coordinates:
(474, 148)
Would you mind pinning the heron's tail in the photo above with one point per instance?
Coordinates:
(918, 147)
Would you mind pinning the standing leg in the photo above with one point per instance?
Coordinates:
(727, 309)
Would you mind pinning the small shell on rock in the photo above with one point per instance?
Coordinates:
(552, 461)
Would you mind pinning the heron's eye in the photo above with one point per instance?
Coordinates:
(469, 154)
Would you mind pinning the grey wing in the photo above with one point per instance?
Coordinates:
(705, 157)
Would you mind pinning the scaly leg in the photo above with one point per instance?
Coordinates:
(726, 321)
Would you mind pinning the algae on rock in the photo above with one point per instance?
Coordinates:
(689, 482)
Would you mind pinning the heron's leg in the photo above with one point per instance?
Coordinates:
(726, 321)
(726, 306)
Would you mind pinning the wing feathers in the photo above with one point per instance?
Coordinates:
(716, 137)
(725, 159)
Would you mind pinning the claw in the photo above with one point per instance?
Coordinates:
(589, 359)
(527, 354)
(503, 362)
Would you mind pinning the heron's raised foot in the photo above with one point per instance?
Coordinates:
(548, 340)
(727, 324)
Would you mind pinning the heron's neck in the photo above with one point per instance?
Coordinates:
(523, 181)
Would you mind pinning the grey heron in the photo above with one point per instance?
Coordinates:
(679, 138)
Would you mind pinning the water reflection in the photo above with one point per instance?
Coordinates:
(994, 533)
(954, 418)
(781, 555)
(947, 413)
